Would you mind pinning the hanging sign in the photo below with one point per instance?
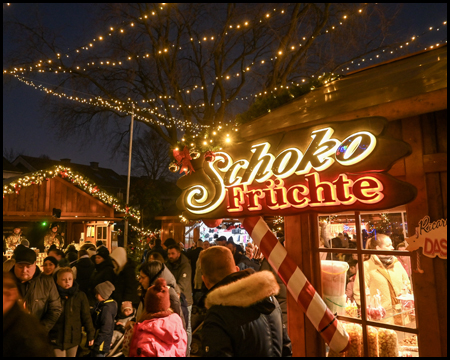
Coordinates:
(327, 168)
(431, 237)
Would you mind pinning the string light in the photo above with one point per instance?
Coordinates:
(400, 47)
(124, 107)
(77, 179)
(118, 106)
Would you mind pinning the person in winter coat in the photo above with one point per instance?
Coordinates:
(384, 273)
(158, 248)
(282, 294)
(39, 294)
(161, 333)
(180, 266)
(66, 333)
(50, 266)
(23, 336)
(103, 318)
(193, 257)
(104, 271)
(125, 282)
(148, 273)
(82, 271)
(243, 317)
(71, 254)
(126, 314)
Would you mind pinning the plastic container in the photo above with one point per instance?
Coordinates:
(334, 275)
(387, 342)
(336, 304)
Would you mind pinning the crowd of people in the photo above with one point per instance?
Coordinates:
(90, 302)
(214, 299)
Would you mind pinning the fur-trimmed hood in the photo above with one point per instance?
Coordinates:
(243, 289)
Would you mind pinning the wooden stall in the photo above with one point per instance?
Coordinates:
(83, 216)
(411, 93)
(370, 149)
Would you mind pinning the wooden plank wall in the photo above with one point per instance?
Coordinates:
(39, 200)
(426, 168)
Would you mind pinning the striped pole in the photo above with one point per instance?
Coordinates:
(300, 288)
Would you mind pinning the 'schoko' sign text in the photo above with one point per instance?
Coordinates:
(327, 168)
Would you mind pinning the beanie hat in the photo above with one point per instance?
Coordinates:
(103, 252)
(157, 297)
(22, 254)
(169, 242)
(105, 289)
(221, 238)
(52, 259)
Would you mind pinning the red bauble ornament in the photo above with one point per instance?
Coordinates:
(212, 223)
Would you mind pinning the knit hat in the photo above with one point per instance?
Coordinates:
(157, 297)
(105, 289)
(52, 259)
(221, 238)
(22, 254)
(103, 252)
(169, 242)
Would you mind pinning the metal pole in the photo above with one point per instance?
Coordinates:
(125, 233)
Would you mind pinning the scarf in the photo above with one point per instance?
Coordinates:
(386, 260)
(65, 293)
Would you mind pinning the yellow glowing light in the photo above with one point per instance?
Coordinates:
(227, 140)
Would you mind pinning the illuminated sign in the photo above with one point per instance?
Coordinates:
(327, 168)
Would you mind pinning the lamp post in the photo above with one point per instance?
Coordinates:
(125, 232)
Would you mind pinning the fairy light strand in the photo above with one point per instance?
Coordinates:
(79, 180)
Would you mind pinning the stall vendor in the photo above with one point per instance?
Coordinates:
(14, 239)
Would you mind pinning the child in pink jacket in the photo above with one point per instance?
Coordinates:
(160, 332)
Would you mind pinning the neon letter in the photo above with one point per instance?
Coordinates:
(260, 167)
(368, 190)
(235, 199)
(321, 193)
(319, 151)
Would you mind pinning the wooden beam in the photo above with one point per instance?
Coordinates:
(424, 285)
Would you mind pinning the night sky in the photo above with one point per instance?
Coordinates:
(25, 130)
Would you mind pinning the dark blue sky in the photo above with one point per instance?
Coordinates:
(25, 130)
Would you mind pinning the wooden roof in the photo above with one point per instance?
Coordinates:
(395, 90)
(36, 202)
(104, 177)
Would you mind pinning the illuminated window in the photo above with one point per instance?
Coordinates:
(102, 233)
(369, 248)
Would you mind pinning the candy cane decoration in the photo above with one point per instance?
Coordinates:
(300, 288)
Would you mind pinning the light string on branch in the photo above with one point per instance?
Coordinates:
(113, 63)
(79, 180)
(146, 233)
(117, 106)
